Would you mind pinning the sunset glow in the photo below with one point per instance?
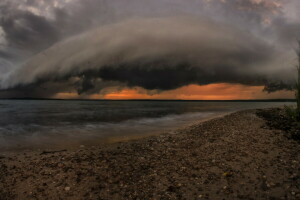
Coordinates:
(221, 91)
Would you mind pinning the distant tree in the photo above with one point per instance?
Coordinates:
(298, 84)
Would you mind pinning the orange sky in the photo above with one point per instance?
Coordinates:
(220, 91)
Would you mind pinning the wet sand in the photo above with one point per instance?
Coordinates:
(232, 157)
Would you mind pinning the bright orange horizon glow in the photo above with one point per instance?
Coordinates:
(218, 91)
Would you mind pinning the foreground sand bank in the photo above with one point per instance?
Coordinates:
(232, 157)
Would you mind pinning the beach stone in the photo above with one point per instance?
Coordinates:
(191, 168)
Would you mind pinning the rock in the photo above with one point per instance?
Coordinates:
(227, 174)
(293, 193)
(67, 188)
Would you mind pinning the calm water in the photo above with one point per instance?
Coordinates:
(33, 123)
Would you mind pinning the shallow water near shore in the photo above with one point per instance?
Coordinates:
(49, 123)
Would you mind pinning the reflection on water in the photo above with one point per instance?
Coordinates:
(40, 122)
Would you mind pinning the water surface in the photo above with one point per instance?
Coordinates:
(33, 123)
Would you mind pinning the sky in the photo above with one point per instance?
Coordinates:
(148, 49)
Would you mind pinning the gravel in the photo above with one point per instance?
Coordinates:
(233, 157)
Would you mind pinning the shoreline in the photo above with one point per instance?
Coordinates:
(235, 156)
(102, 140)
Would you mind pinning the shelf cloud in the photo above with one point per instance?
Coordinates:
(47, 47)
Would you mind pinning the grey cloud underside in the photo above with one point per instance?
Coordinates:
(156, 54)
(34, 32)
(160, 53)
(26, 30)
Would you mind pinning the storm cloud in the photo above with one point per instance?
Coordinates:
(94, 45)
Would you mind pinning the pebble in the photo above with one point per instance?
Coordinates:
(129, 171)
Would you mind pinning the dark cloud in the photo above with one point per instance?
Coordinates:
(287, 32)
(142, 53)
(278, 85)
(38, 90)
(28, 31)
(237, 41)
(36, 25)
(6, 54)
(171, 77)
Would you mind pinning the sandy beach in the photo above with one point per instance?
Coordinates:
(232, 157)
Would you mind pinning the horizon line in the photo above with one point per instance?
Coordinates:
(78, 99)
